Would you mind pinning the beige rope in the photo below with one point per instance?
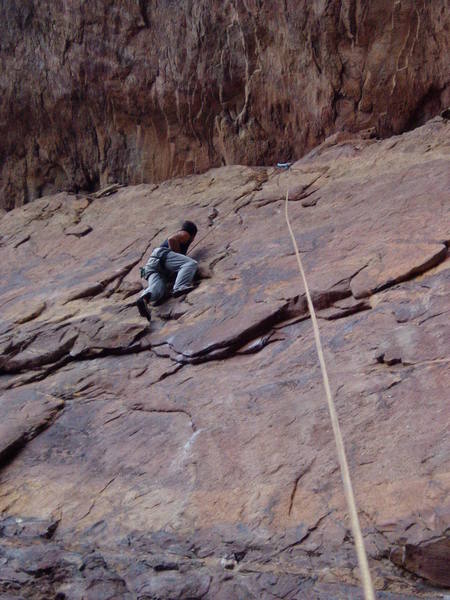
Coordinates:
(348, 489)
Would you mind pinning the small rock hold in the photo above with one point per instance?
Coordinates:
(108, 190)
(368, 134)
(240, 555)
(28, 313)
(228, 563)
(211, 216)
(21, 240)
(78, 230)
(166, 566)
(309, 202)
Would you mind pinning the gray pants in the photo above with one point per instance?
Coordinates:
(183, 266)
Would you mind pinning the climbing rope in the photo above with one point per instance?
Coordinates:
(342, 459)
(345, 474)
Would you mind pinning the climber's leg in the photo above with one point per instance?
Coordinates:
(154, 292)
(185, 268)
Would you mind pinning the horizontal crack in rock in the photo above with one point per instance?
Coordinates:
(169, 411)
(294, 308)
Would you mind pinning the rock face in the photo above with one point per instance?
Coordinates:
(139, 91)
(194, 458)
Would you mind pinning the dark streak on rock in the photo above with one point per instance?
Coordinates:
(9, 453)
(296, 482)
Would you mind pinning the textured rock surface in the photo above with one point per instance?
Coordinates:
(138, 91)
(195, 458)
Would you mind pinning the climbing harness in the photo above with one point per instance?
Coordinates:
(345, 473)
(155, 263)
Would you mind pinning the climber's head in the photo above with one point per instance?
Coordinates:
(190, 227)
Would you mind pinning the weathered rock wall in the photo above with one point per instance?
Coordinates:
(139, 91)
(134, 458)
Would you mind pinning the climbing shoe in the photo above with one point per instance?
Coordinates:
(143, 309)
(183, 290)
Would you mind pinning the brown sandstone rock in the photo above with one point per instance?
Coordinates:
(106, 91)
(429, 559)
(151, 457)
(25, 413)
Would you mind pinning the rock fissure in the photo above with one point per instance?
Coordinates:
(296, 482)
(141, 408)
(16, 437)
(99, 493)
(305, 536)
(359, 291)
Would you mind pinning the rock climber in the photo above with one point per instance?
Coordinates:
(168, 260)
